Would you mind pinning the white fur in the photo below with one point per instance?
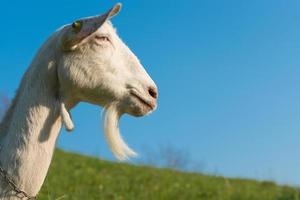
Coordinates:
(66, 118)
(69, 68)
(111, 129)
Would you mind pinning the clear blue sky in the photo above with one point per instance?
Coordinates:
(228, 74)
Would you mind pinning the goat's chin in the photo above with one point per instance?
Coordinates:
(138, 109)
(119, 148)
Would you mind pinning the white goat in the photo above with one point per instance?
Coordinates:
(84, 61)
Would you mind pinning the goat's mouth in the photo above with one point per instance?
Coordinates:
(150, 104)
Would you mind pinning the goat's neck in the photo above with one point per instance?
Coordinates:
(30, 129)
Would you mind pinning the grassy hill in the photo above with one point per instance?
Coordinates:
(75, 177)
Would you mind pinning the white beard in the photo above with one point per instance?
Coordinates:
(117, 145)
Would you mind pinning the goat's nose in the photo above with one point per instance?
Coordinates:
(153, 92)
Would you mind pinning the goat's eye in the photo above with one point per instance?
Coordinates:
(77, 26)
(102, 38)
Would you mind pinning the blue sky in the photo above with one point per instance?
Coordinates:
(227, 71)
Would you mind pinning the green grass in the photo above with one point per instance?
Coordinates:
(75, 177)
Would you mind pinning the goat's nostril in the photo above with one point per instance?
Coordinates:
(153, 92)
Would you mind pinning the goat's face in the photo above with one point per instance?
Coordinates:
(97, 67)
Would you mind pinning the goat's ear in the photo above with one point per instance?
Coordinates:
(81, 29)
(114, 11)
